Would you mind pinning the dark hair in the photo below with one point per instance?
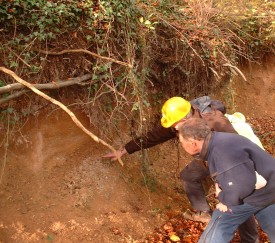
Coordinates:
(195, 128)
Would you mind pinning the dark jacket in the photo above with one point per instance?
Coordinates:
(232, 161)
(212, 111)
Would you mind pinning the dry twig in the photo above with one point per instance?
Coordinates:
(87, 52)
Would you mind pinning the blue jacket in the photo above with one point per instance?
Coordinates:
(232, 161)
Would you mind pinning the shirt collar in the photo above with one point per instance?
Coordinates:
(204, 151)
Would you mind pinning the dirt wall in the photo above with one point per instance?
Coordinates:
(55, 187)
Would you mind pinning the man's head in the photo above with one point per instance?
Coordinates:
(174, 111)
(192, 134)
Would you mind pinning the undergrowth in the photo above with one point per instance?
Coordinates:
(170, 47)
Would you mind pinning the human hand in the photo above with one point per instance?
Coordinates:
(220, 206)
(115, 155)
(218, 189)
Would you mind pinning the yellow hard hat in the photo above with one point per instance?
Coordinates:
(173, 110)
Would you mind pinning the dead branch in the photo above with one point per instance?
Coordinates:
(21, 59)
(63, 107)
(53, 85)
(87, 52)
(13, 96)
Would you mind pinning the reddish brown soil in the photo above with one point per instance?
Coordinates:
(55, 187)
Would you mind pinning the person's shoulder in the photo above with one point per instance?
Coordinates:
(234, 140)
(227, 135)
(218, 105)
(228, 138)
(201, 99)
(202, 104)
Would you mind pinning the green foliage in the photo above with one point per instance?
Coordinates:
(40, 19)
(33, 23)
(2, 83)
(182, 43)
(9, 115)
(150, 182)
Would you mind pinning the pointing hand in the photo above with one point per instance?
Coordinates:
(115, 156)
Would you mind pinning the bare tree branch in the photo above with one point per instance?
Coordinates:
(63, 107)
(21, 59)
(53, 85)
(87, 52)
(13, 96)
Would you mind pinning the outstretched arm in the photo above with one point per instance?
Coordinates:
(152, 138)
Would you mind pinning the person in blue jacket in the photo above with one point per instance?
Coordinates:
(244, 175)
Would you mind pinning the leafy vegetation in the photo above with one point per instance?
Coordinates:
(171, 47)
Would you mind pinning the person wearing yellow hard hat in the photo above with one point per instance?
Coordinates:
(175, 111)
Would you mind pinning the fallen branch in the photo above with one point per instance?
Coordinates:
(53, 85)
(13, 96)
(87, 52)
(63, 107)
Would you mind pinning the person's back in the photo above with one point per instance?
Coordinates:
(239, 123)
(240, 159)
